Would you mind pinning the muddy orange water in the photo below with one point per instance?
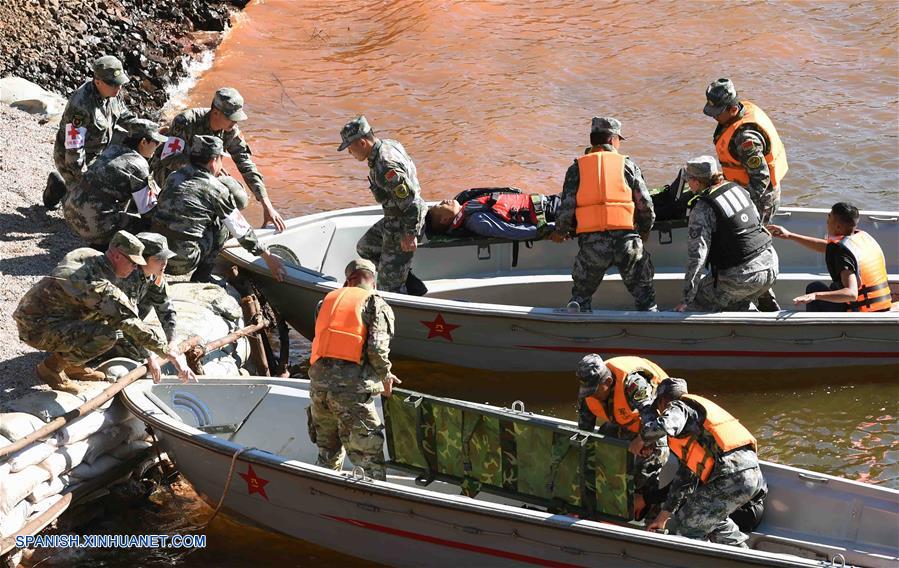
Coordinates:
(496, 93)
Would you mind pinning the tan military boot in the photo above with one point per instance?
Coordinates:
(78, 373)
(51, 372)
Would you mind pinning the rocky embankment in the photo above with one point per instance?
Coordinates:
(53, 42)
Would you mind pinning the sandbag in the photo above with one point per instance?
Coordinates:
(4, 467)
(89, 390)
(32, 455)
(65, 458)
(129, 450)
(46, 489)
(43, 505)
(16, 425)
(46, 405)
(104, 441)
(137, 429)
(14, 519)
(91, 424)
(16, 486)
(86, 471)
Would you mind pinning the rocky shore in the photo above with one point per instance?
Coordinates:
(53, 42)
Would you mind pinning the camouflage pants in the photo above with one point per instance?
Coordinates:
(197, 255)
(381, 245)
(732, 294)
(705, 514)
(597, 252)
(75, 341)
(348, 420)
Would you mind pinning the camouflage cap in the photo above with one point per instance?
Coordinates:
(155, 245)
(352, 131)
(130, 246)
(205, 147)
(702, 167)
(360, 264)
(591, 370)
(230, 102)
(606, 125)
(109, 70)
(672, 388)
(719, 95)
(145, 129)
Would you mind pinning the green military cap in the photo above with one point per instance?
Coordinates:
(719, 95)
(230, 102)
(592, 370)
(352, 131)
(155, 245)
(205, 147)
(130, 246)
(606, 125)
(360, 264)
(109, 70)
(702, 167)
(672, 388)
(145, 129)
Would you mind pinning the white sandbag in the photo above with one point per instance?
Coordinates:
(82, 428)
(117, 412)
(16, 425)
(91, 470)
(43, 505)
(46, 405)
(90, 390)
(129, 450)
(65, 458)
(104, 441)
(14, 519)
(31, 455)
(16, 486)
(4, 467)
(137, 429)
(46, 489)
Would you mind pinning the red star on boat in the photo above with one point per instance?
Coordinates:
(439, 328)
(255, 484)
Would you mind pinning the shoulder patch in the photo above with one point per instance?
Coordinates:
(747, 145)
(390, 175)
(695, 232)
(401, 191)
(754, 162)
(77, 120)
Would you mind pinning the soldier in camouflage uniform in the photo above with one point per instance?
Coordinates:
(596, 380)
(724, 232)
(197, 213)
(116, 191)
(599, 250)
(79, 312)
(220, 120)
(701, 509)
(343, 412)
(88, 123)
(393, 180)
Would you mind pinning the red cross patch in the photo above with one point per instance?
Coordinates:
(173, 145)
(75, 136)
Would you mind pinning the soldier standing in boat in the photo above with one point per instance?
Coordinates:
(391, 242)
(350, 364)
(220, 120)
(621, 392)
(726, 233)
(606, 202)
(87, 126)
(719, 469)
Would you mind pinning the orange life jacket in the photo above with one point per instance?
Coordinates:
(339, 331)
(873, 282)
(776, 157)
(622, 413)
(604, 200)
(698, 452)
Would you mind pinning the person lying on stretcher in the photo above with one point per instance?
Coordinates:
(501, 212)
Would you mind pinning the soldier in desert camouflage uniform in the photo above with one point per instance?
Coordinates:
(220, 120)
(393, 180)
(79, 312)
(116, 191)
(345, 377)
(700, 499)
(600, 248)
(88, 124)
(197, 213)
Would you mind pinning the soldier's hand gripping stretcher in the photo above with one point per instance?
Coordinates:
(389, 381)
(177, 359)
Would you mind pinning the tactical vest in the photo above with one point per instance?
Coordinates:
(622, 413)
(515, 208)
(873, 282)
(339, 330)
(776, 157)
(739, 236)
(721, 433)
(604, 199)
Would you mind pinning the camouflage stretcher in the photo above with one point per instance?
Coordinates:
(513, 454)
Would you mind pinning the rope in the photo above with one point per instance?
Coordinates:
(227, 484)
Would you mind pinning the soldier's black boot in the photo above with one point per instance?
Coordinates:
(414, 285)
(54, 191)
